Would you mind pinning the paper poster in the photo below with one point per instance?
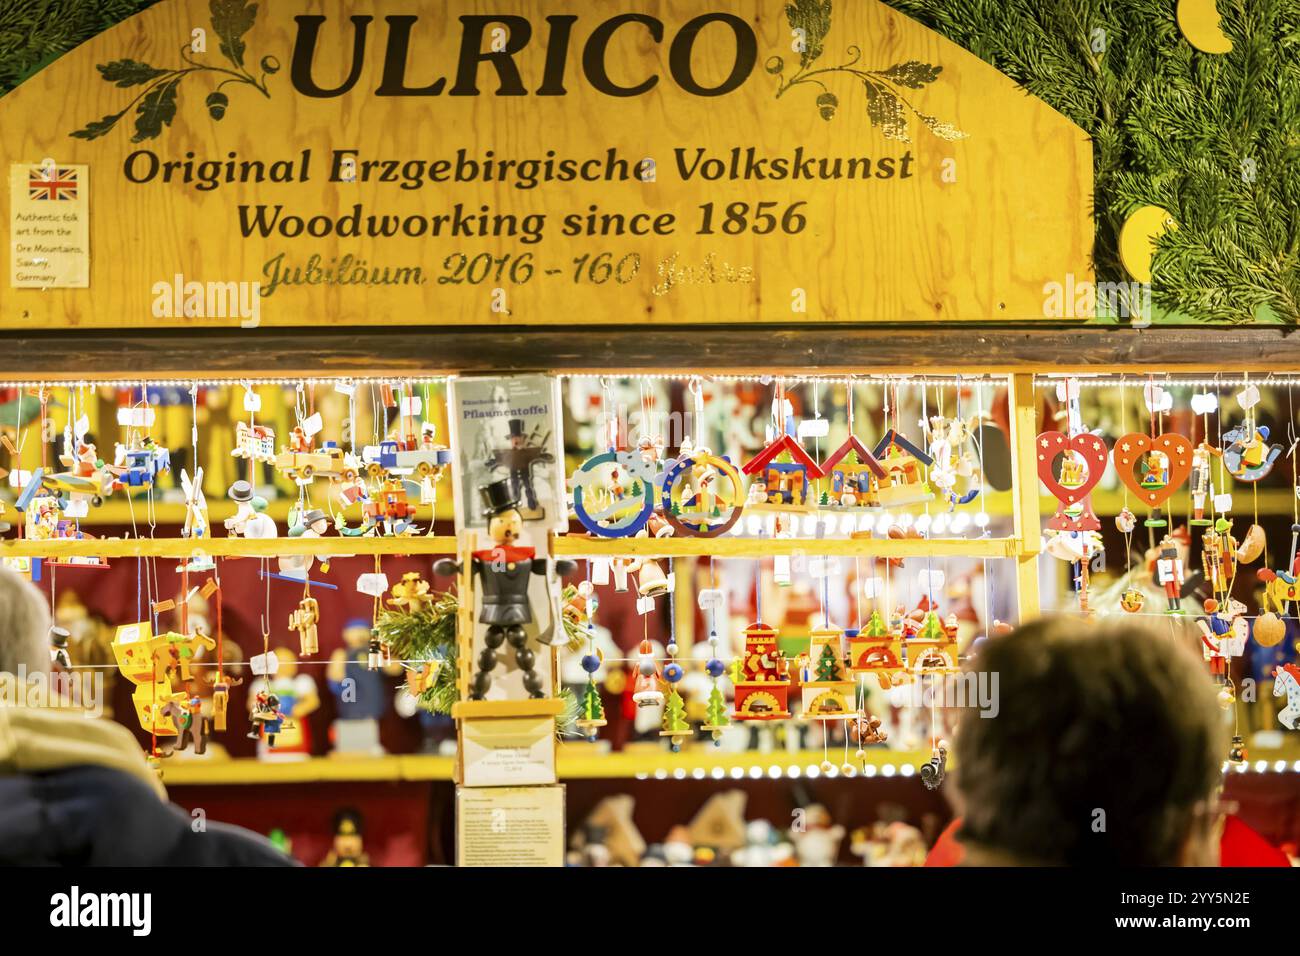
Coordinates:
(508, 751)
(510, 826)
(49, 226)
(509, 429)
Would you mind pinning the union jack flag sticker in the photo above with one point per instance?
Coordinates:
(59, 184)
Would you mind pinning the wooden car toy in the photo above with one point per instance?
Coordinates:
(330, 462)
(396, 458)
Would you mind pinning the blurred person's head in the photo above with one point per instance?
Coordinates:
(24, 626)
(1106, 748)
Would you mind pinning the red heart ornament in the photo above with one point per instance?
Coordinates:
(1093, 450)
(1130, 448)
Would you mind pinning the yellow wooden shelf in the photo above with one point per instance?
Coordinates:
(180, 548)
(488, 709)
(733, 547)
(576, 761)
(698, 760)
(116, 510)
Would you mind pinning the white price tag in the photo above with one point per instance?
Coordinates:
(930, 581)
(1223, 502)
(1204, 402)
(672, 581)
(345, 388)
(781, 569)
(814, 428)
(252, 401)
(264, 665)
(312, 425)
(18, 479)
(136, 416)
(374, 584)
(411, 406)
(872, 587)
(1068, 390)
(83, 426)
(77, 508)
(600, 571)
(823, 566)
(1248, 397)
(644, 605)
(710, 599)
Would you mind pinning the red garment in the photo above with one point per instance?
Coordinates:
(506, 552)
(1239, 846)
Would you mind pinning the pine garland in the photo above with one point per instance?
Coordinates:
(35, 33)
(429, 634)
(1215, 140)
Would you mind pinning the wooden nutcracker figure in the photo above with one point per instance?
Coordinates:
(1169, 572)
(504, 572)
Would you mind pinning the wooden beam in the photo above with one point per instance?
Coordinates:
(753, 548)
(809, 348)
(1025, 496)
(182, 548)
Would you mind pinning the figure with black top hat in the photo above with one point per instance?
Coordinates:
(520, 458)
(504, 572)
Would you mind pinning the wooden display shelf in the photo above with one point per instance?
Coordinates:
(118, 511)
(581, 761)
(182, 548)
(733, 547)
(576, 761)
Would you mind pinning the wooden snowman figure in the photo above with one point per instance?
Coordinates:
(504, 572)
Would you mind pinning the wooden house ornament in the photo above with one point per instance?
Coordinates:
(827, 688)
(855, 475)
(902, 461)
(933, 650)
(876, 650)
(763, 687)
(784, 469)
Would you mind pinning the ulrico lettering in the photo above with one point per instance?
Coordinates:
(496, 40)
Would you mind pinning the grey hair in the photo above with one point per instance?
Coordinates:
(24, 626)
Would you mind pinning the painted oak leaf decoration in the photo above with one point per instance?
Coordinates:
(888, 107)
(810, 20)
(159, 89)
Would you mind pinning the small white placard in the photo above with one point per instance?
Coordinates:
(644, 605)
(710, 599)
(375, 584)
(345, 388)
(600, 571)
(822, 566)
(312, 425)
(411, 406)
(77, 508)
(18, 478)
(781, 569)
(872, 587)
(930, 581)
(264, 665)
(252, 401)
(814, 428)
(49, 226)
(1223, 502)
(1248, 397)
(136, 416)
(512, 751)
(1203, 403)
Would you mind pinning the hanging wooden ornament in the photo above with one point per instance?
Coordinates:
(1166, 462)
(614, 493)
(1269, 629)
(703, 494)
(1137, 239)
(1083, 462)
(1201, 26)
(1247, 454)
(1286, 683)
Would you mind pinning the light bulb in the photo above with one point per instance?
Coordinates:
(939, 524)
(982, 519)
(923, 523)
(905, 520)
(960, 522)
